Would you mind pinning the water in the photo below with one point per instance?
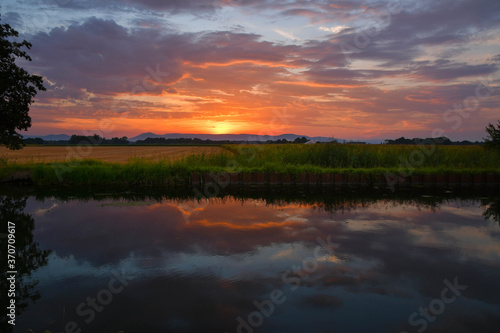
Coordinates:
(255, 261)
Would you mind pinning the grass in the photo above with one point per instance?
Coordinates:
(366, 156)
(368, 160)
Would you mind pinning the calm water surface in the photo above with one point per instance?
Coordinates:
(293, 261)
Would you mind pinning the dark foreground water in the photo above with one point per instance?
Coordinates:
(254, 261)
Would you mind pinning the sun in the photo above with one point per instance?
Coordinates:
(222, 128)
(228, 127)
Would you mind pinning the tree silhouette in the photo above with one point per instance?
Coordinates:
(28, 257)
(300, 140)
(17, 89)
(493, 139)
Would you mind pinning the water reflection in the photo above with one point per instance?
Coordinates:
(492, 209)
(265, 262)
(27, 259)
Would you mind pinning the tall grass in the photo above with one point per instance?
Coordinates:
(319, 158)
(365, 156)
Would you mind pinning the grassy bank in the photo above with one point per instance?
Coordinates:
(369, 160)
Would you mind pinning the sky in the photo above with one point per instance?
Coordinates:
(350, 69)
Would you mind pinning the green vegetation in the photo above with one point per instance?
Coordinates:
(442, 141)
(368, 160)
(364, 156)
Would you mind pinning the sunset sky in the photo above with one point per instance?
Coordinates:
(350, 69)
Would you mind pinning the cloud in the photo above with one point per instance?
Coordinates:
(102, 56)
(286, 34)
(333, 30)
(447, 70)
(195, 7)
(12, 18)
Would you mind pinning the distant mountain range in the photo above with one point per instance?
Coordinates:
(230, 137)
(213, 137)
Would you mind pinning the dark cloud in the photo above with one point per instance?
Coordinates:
(102, 57)
(195, 7)
(221, 47)
(11, 18)
(177, 5)
(447, 70)
(397, 38)
(346, 76)
(301, 11)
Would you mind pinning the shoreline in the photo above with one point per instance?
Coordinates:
(341, 177)
(350, 179)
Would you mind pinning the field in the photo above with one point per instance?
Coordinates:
(150, 165)
(120, 154)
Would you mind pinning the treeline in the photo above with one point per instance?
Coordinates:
(98, 140)
(438, 141)
(80, 140)
(40, 141)
(196, 141)
(181, 141)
